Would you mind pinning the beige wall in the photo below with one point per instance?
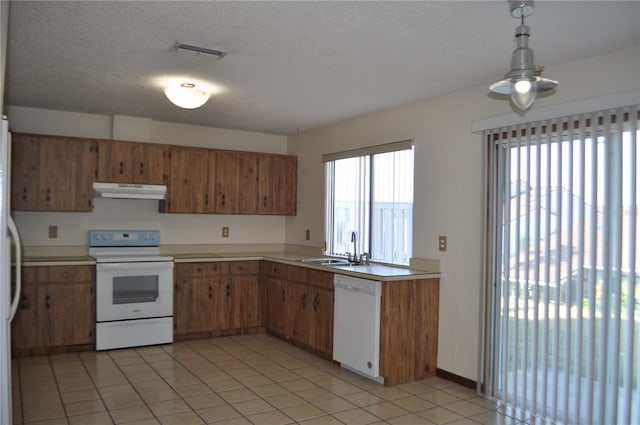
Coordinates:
(128, 214)
(448, 182)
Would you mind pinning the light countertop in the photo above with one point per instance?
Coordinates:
(373, 271)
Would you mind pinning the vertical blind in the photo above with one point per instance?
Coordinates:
(369, 194)
(562, 278)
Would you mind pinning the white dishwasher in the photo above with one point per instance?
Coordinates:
(356, 324)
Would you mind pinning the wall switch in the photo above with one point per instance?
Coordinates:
(442, 243)
(308, 234)
(53, 232)
(225, 232)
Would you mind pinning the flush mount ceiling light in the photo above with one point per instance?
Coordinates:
(523, 81)
(186, 96)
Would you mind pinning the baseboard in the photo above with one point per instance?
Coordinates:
(460, 380)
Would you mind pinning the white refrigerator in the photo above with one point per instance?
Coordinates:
(8, 301)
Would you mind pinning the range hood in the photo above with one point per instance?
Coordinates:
(129, 191)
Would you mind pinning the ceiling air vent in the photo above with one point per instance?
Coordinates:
(197, 50)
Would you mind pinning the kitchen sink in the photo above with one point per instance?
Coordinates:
(326, 261)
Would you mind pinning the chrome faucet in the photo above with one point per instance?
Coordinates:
(355, 249)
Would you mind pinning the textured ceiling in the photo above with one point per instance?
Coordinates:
(290, 65)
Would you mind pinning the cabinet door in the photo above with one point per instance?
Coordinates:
(203, 309)
(236, 182)
(115, 161)
(321, 320)
(68, 314)
(277, 305)
(298, 311)
(24, 334)
(25, 169)
(67, 172)
(221, 319)
(277, 184)
(188, 187)
(148, 163)
(246, 311)
(182, 296)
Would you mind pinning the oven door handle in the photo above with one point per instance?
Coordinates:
(153, 266)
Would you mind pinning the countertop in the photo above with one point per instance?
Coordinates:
(373, 271)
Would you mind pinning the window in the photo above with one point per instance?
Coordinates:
(369, 202)
(564, 268)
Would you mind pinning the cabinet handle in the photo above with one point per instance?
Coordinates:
(121, 167)
(48, 194)
(315, 303)
(47, 304)
(210, 292)
(24, 304)
(304, 300)
(283, 297)
(228, 290)
(224, 198)
(24, 194)
(142, 168)
(264, 202)
(206, 199)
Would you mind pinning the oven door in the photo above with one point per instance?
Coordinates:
(134, 290)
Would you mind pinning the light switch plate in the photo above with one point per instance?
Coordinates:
(225, 232)
(53, 232)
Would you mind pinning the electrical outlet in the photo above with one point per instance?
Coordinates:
(53, 232)
(442, 243)
(308, 234)
(225, 232)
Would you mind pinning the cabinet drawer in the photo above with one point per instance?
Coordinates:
(321, 279)
(183, 270)
(243, 267)
(35, 274)
(63, 274)
(188, 270)
(275, 270)
(298, 274)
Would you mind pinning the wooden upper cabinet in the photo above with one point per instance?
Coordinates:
(277, 177)
(236, 182)
(127, 162)
(53, 173)
(191, 181)
(25, 170)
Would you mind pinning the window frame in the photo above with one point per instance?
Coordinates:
(329, 197)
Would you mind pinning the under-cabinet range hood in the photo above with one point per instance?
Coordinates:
(129, 191)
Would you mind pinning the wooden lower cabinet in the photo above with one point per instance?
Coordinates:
(216, 298)
(300, 307)
(321, 320)
(246, 302)
(409, 330)
(56, 311)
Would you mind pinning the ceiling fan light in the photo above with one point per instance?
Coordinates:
(186, 96)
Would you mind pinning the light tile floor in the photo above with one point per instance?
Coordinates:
(249, 379)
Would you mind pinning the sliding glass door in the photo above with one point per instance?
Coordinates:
(563, 267)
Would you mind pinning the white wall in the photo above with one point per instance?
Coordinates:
(448, 182)
(4, 31)
(127, 214)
